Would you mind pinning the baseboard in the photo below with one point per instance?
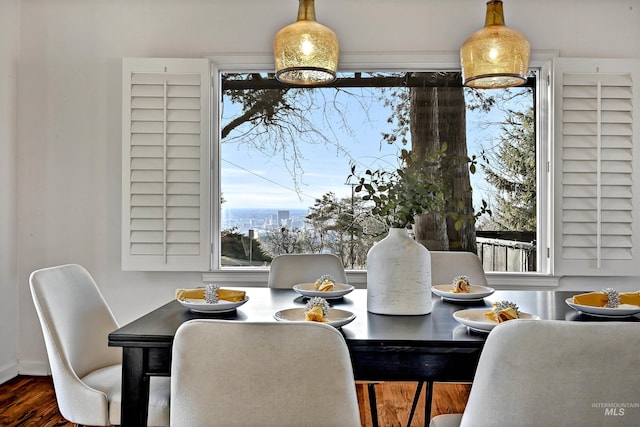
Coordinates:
(37, 368)
(8, 371)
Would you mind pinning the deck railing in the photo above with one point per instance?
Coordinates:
(507, 251)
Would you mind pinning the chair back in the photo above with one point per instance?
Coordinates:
(446, 265)
(229, 374)
(557, 373)
(75, 321)
(292, 269)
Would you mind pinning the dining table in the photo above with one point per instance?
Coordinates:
(420, 348)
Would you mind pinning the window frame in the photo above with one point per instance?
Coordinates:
(401, 61)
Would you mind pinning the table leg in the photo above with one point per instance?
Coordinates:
(416, 397)
(135, 388)
(428, 397)
(373, 405)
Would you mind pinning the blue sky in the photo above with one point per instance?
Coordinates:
(251, 179)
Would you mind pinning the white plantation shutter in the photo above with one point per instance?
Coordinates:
(596, 167)
(166, 139)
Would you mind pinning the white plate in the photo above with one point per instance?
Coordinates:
(476, 292)
(309, 290)
(475, 319)
(222, 306)
(336, 317)
(623, 310)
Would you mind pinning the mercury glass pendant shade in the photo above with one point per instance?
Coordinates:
(495, 56)
(306, 52)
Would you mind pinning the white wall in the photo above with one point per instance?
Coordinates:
(9, 54)
(68, 175)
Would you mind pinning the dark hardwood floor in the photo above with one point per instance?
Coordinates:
(28, 401)
(394, 401)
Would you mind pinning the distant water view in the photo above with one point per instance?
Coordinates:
(262, 219)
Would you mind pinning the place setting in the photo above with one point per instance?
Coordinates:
(317, 307)
(211, 299)
(461, 290)
(483, 320)
(608, 303)
(316, 310)
(325, 287)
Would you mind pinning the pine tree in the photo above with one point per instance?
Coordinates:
(512, 172)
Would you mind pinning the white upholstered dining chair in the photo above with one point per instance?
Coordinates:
(268, 374)
(287, 270)
(445, 265)
(87, 373)
(535, 373)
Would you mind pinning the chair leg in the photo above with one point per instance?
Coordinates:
(371, 387)
(416, 397)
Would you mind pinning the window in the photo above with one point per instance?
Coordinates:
(286, 155)
(586, 162)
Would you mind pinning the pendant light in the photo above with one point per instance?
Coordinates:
(306, 52)
(495, 56)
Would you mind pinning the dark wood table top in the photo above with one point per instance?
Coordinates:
(432, 347)
(439, 328)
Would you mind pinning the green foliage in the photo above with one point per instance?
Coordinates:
(338, 226)
(459, 219)
(512, 173)
(399, 195)
(284, 240)
(233, 247)
(328, 218)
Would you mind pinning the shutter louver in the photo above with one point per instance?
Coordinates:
(165, 165)
(597, 167)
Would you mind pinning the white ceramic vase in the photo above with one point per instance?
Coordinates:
(399, 276)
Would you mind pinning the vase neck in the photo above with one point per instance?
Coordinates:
(398, 232)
